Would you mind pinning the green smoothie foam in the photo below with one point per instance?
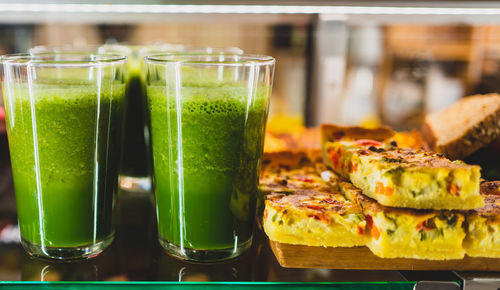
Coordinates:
(64, 160)
(205, 155)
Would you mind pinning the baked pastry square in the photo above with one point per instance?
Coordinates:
(483, 231)
(403, 177)
(301, 208)
(406, 233)
(313, 218)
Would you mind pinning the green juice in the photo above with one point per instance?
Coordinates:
(64, 146)
(206, 151)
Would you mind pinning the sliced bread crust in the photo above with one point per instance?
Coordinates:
(465, 127)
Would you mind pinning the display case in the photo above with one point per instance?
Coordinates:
(347, 62)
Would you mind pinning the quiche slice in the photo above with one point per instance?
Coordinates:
(404, 177)
(313, 218)
(483, 232)
(302, 208)
(406, 233)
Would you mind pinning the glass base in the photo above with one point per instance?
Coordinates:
(135, 184)
(204, 256)
(67, 253)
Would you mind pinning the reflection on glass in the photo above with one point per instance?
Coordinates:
(172, 269)
(207, 116)
(64, 116)
(43, 270)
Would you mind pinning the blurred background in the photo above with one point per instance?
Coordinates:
(347, 62)
(344, 66)
(390, 73)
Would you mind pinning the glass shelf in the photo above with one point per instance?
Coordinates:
(135, 260)
(205, 285)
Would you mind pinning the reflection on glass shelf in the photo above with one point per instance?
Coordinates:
(42, 270)
(171, 269)
(10, 234)
(136, 255)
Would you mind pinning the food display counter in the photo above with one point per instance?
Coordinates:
(135, 260)
(341, 62)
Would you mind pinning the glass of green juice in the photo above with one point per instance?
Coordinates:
(136, 159)
(64, 114)
(207, 115)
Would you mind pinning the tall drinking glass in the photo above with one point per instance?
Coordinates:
(64, 115)
(207, 118)
(134, 175)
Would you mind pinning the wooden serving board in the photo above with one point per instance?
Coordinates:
(361, 258)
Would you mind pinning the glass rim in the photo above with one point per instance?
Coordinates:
(166, 47)
(213, 49)
(37, 59)
(140, 49)
(186, 49)
(193, 59)
(38, 49)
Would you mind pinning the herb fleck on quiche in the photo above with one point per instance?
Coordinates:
(483, 232)
(403, 177)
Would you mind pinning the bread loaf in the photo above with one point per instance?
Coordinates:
(465, 127)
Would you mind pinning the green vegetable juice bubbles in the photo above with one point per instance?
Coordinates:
(207, 120)
(64, 115)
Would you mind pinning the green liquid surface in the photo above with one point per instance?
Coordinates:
(64, 146)
(206, 153)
